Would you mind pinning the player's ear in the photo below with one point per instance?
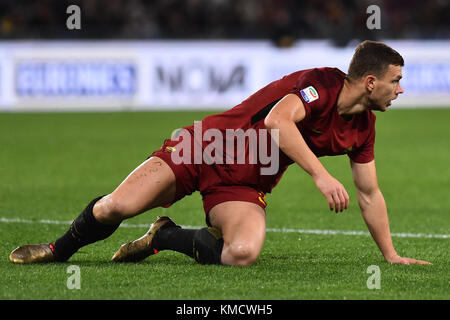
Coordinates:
(369, 82)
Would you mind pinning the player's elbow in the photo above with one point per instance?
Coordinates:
(366, 198)
(363, 201)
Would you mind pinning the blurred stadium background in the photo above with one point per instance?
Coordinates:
(203, 54)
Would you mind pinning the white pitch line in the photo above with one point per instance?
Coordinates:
(277, 230)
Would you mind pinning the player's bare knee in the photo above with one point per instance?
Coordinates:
(242, 254)
(109, 209)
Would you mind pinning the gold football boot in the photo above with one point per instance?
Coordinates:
(32, 253)
(141, 248)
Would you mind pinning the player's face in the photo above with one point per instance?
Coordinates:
(386, 88)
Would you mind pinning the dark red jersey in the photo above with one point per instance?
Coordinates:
(324, 130)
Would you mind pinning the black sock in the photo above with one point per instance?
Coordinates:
(204, 245)
(208, 245)
(176, 239)
(85, 229)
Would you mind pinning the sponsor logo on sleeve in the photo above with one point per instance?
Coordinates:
(309, 94)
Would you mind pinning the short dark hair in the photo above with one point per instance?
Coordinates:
(372, 57)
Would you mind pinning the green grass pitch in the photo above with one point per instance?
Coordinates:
(53, 164)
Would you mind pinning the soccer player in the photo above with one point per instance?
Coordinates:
(312, 113)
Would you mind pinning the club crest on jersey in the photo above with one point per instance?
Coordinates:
(309, 94)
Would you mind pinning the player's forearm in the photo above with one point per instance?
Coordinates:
(374, 211)
(291, 142)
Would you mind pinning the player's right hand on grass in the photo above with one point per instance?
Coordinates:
(333, 191)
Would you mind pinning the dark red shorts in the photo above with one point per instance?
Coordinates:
(206, 179)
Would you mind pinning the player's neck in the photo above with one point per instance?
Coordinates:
(351, 99)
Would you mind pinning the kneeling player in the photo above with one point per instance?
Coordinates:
(315, 112)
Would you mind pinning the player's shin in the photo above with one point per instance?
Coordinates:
(85, 229)
(208, 245)
(204, 245)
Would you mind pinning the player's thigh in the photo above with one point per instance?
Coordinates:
(151, 184)
(243, 227)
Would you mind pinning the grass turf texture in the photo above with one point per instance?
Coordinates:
(52, 165)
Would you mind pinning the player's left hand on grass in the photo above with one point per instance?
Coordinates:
(400, 260)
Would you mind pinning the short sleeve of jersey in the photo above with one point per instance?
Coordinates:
(365, 153)
(311, 91)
